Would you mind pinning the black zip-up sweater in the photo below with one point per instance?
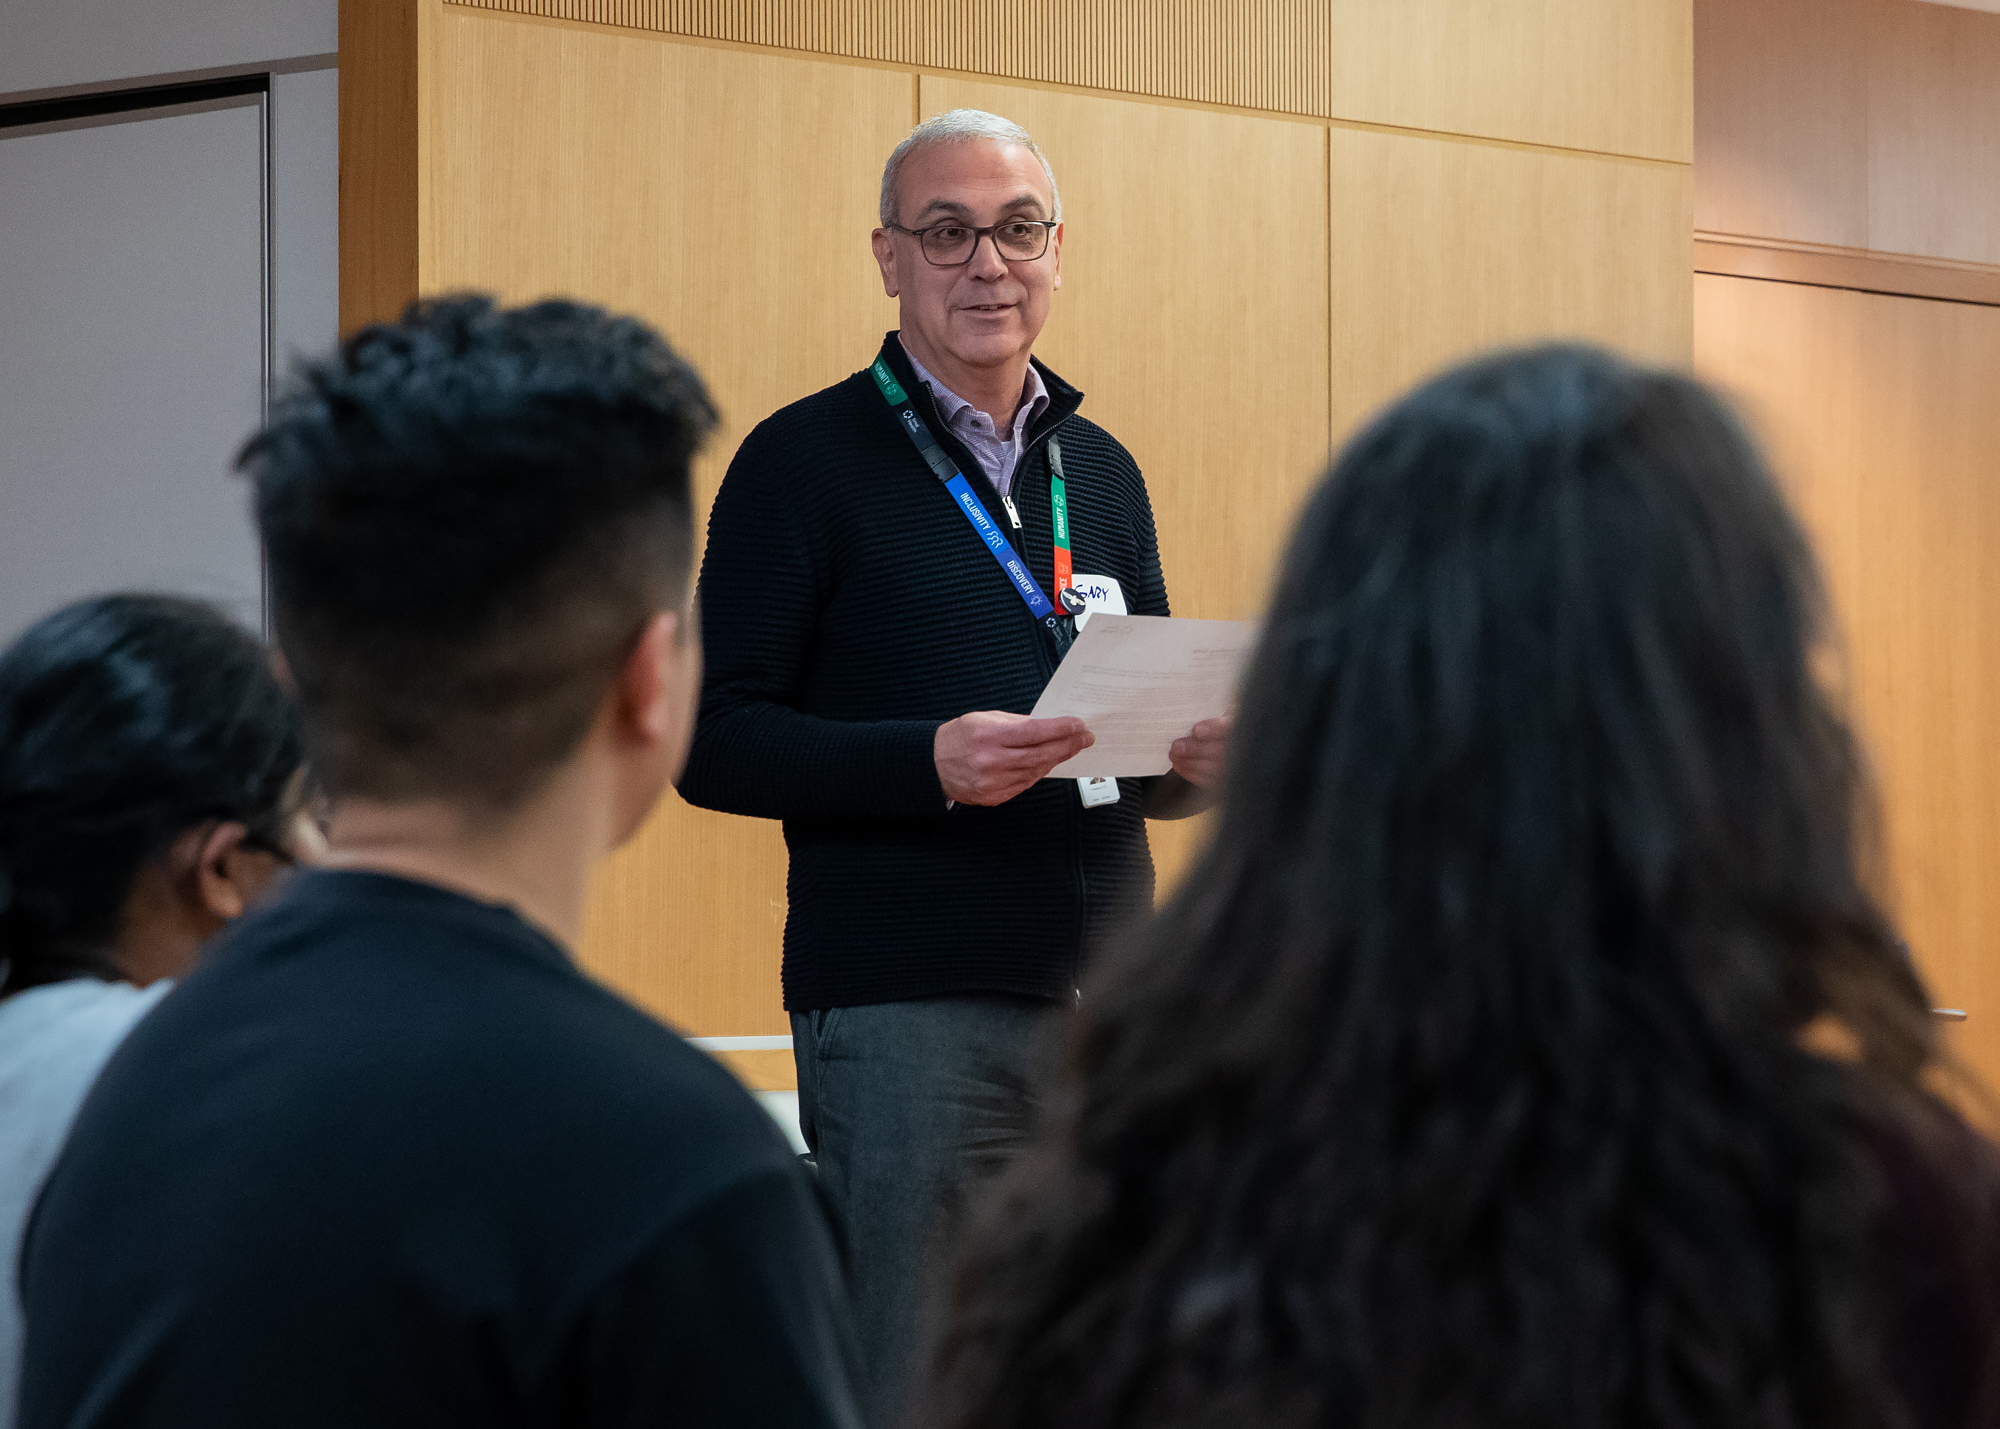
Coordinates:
(848, 610)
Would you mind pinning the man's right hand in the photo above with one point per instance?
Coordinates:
(988, 757)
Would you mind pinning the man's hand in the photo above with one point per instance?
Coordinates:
(1199, 755)
(988, 757)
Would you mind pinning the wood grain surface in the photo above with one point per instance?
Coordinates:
(1240, 287)
(1443, 249)
(379, 227)
(1861, 124)
(1577, 74)
(1880, 414)
(726, 197)
(1864, 270)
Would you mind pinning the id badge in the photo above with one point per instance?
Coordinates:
(1097, 792)
(1099, 593)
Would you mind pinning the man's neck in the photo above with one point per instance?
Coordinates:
(996, 391)
(535, 859)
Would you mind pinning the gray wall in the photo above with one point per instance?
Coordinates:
(66, 46)
(156, 267)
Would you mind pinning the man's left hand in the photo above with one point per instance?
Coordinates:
(1199, 755)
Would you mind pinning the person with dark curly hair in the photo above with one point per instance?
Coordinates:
(1527, 1048)
(389, 1157)
(150, 781)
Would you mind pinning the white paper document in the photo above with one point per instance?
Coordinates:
(1141, 682)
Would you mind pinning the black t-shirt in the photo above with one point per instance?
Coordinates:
(388, 1159)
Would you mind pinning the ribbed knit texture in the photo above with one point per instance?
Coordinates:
(848, 610)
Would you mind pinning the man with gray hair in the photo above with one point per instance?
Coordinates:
(895, 565)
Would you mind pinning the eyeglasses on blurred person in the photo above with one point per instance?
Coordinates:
(1471, 1077)
(151, 789)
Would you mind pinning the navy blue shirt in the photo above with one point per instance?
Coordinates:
(390, 1159)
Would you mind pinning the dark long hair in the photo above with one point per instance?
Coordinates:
(124, 721)
(1465, 1080)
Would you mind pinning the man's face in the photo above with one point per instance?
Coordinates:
(989, 311)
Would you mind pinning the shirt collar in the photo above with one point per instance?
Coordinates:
(1034, 395)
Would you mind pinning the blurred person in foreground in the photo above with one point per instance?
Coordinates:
(150, 780)
(389, 1158)
(1526, 1049)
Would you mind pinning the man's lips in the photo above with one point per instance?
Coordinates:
(985, 308)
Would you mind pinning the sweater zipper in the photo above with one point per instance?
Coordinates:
(1012, 514)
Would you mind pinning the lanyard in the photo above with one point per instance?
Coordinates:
(1059, 511)
(974, 510)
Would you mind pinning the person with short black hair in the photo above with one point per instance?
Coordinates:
(150, 784)
(1527, 1048)
(390, 1158)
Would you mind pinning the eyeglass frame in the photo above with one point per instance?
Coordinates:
(992, 230)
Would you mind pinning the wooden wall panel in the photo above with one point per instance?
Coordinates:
(727, 197)
(1193, 316)
(1859, 124)
(379, 230)
(1781, 119)
(1863, 270)
(1579, 74)
(1880, 414)
(1440, 249)
(1934, 133)
(1240, 286)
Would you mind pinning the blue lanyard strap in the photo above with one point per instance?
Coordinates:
(975, 510)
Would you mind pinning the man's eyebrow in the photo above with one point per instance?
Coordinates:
(951, 208)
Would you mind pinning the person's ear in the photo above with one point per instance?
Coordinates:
(884, 245)
(652, 688)
(223, 880)
(1055, 247)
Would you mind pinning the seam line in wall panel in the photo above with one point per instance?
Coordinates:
(1128, 96)
(1846, 288)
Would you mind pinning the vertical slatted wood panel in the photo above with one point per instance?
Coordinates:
(1581, 74)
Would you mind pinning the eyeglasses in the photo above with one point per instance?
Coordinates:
(951, 245)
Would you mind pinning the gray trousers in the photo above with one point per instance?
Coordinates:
(905, 1106)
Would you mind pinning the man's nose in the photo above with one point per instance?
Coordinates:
(986, 261)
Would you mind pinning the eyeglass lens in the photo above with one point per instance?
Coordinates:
(950, 243)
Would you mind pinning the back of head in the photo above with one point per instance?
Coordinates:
(468, 517)
(1463, 1080)
(124, 721)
